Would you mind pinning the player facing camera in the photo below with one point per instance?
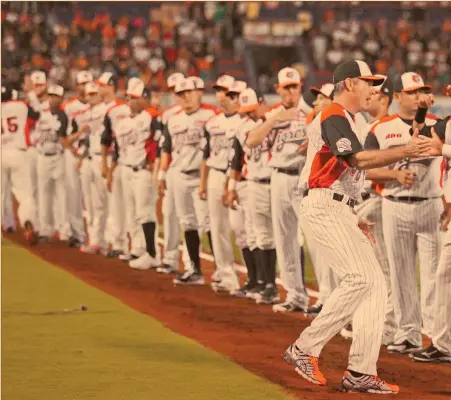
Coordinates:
(186, 89)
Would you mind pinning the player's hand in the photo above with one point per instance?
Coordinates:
(224, 198)
(161, 187)
(27, 84)
(109, 180)
(436, 144)
(419, 145)
(85, 129)
(406, 177)
(426, 100)
(445, 218)
(203, 192)
(304, 146)
(287, 115)
(365, 226)
(232, 199)
(105, 170)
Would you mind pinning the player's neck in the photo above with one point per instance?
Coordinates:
(348, 104)
(406, 115)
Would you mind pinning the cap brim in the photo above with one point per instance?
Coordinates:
(232, 92)
(183, 91)
(92, 92)
(220, 87)
(55, 94)
(100, 83)
(133, 96)
(412, 88)
(376, 80)
(283, 84)
(247, 109)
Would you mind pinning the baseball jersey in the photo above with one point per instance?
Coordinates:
(74, 106)
(219, 133)
(252, 162)
(394, 131)
(332, 138)
(286, 137)
(114, 115)
(17, 118)
(184, 138)
(37, 106)
(50, 127)
(133, 135)
(169, 112)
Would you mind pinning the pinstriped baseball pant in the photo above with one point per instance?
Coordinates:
(361, 296)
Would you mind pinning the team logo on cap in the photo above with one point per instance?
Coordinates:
(244, 99)
(416, 78)
(289, 74)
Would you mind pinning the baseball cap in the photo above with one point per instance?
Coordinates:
(198, 83)
(136, 89)
(237, 87)
(224, 82)
(106, 79)
(56, 90)
(92, 88)
(288, 76)
(250, 100)
(7, 92)
(408, 82)
(174, 78)
(84, 77)
(185, 85)
(325, 90)
(38, 78)
(355, 69)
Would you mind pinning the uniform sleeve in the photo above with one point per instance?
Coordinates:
(236, 155)
(371, 142)
(152, 142)
(115, 156)
(33, 114)
(74, 126)
(165, 141)
(439, 127)
(207, 144)
(107, 135)
(64, 122)
(339, 136)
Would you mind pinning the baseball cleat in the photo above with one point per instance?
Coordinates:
(43, 239)
(30, 234)
(430, 355)
(189, 277)
(127, 257)
(216, 277)
(305, 365)
(269, 295)
(225, 286)
(74, 242)
(346, 332)
(114, 254)
(256, 292)
(9, 229)
(166, 269)
(288, 306)
(90, 250)
(366, 384)
(403, 347)
(314, 310)
(242, 292)
(144, 262)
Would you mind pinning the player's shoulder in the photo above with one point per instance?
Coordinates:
(208, 110)
(69, 103)
(16, 104)
(176, 121)
(119, 104)
(333, 110)
(383, 123)
(152, 111)
(431, 119)
(214, 119)
(211, 107)
(272, 110)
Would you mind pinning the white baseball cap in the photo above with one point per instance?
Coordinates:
(92, 88)
(224, 82)
(288, 76)
(107, 78)
(237, 87)
(84, 77)
(185, 85)
(198, 83)
(249, 100)
(56, 90)
(38, 78)
(325, 90)
(408, 82)
(173, 79)
(136, 88)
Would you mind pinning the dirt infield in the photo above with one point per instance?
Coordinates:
(252, 336)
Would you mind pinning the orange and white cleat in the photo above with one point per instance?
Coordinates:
(366, 384)
(305, 365)
(30, 234)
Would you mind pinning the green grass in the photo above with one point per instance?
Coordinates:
(109, 352)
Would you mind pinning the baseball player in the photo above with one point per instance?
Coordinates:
(324, 275)
(335, 182)
(219, 133)
(183, 140)
(51, 132)
(73, 184)
(261, 262)
(117, 111)
(8, 219)
(371, 206)
(16, 119)
(137, 151)
(440, 348)
(171, 223)
(285, 125)
(411, 209)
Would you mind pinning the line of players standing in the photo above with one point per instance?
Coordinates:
(113, 158)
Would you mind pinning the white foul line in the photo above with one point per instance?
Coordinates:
(239, 267)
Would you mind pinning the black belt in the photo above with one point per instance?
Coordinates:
(409, 199)
(288, 171)
(136, 168)
(338, 197)
(49, 154)
(265, 181)
(217, 169)
(365, 196)
(191, 172)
